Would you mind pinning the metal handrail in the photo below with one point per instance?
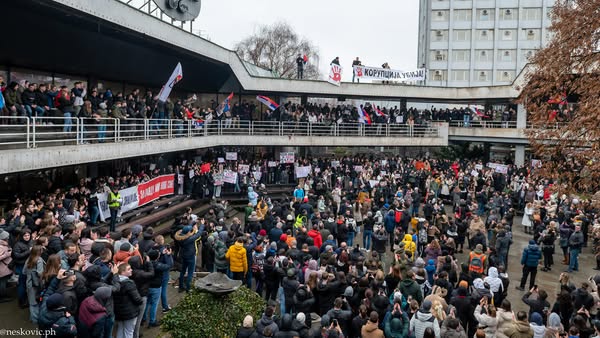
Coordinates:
(56, 131)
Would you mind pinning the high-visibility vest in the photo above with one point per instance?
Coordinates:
(113, 200)
(476, 262)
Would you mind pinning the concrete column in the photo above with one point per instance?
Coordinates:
(519, 155)
(521, 116)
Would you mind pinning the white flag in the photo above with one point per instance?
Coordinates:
(166, 89)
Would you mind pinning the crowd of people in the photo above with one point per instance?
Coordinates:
(304, 256)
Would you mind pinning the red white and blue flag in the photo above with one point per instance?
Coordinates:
(166, 89)
(363, 116)
(377, 110)
(226, 105)
(267, 102)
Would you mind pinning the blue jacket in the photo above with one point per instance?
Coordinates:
(531, 255)
(187, 243)
(389, 222)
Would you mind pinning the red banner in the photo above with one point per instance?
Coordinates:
(156, 188)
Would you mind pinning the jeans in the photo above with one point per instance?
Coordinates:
(113, 218)
(39, 111)
(152, 305)
(94, 214)
(466, 120)
(138, 319)
(217, 191)
(350, 240)
(125, 328)
(68, 122)
(249, 279)
(101, 132)
(189, 265)
(109, 323)
(574, 259)
(164, 301)
(21, 287)
(281, 296)
(367, 239)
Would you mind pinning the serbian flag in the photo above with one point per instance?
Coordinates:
(377, 110)
(363, 117)
(226, 103)
(166, 89)
(305, 58)
(560, 99)
(268, 102)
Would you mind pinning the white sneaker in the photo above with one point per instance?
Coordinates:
(13, 279)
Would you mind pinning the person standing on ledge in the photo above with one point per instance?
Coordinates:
(356, 62)
(300, 61)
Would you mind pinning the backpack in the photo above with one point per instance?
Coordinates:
(426, 288)
(258, 262)
(422, 235)
(476, 263)
(397, 216)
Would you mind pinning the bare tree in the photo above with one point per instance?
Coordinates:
(567, 70)
(276, 48)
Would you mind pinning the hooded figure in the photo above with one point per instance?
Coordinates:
(537, 325)
(93, 313)
(480, 291)
(423, 319)
(252, 197)
(554, 325)
(495, 283)
(409, 245)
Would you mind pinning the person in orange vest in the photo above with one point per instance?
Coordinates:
(477, 261)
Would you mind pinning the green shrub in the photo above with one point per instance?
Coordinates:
(202, 314)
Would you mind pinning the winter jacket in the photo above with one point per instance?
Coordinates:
(344, 317)
(371, 330)
(56, 320)
(265, 322)
(316, 236)
(485, 320)
(505, 321)
(536, 304)
(531, 255)
(91, 318)
(220, 251)
(409, 245)
(409, 287)
(421, 321)
(21, 251)
(396, 326)
(160, 269)
(187, 243)
(538, 330)
(301, 328)
(247, 332)
(447, 332)
(70, 298)
(5, 259)
(389, 222)
(127, 300)
(519, 330)
(238, 262)
(142, 274)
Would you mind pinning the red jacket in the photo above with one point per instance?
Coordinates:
(91, 311)
(316, 236)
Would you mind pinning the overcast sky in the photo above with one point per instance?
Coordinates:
(377, 31)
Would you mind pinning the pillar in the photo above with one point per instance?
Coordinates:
(519, 155)
(521, 116)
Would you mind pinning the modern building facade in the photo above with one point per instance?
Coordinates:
(470, 43)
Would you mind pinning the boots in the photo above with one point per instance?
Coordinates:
(565, 260)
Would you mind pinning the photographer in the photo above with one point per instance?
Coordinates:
(156, 282)
(485, 314)
(396, 322)
(340, 315)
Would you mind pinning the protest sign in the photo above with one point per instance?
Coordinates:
(231, 156)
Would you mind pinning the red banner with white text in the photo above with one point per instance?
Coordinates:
(156, 188)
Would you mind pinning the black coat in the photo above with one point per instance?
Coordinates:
(21, 252)
(142, 274)
(127, 301)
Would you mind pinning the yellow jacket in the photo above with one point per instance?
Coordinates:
(236, 255)
(409, 245)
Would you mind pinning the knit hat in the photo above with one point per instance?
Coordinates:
(478, 248)
(536, 318)
(349, 292)
(463, 284)
(248, 322)
(301, 317)
(426, 305)
(186, 229)
(153, 254)
(283, 237)
(531, 242)
(262, 232)
(4, 235)
(103, 293)
(55, 301)
(125, 247)
(290, 218)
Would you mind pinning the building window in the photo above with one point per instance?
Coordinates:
(461, 55)
(439, 75)
(481, 75)
(528, 53)
(531, 14)
(439, 35)
(531, 34)
(507, 34)
(462, 15)
(506, 75)
(485, 55)
(509, 13)
(439, 55)
(440, 16)
(505, 55)
(460, 75)
(462, 35)
(485, 35)
(485, 14)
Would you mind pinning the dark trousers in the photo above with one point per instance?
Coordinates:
(526, 271)
(271, 292)
(113, 219)
(238, 276)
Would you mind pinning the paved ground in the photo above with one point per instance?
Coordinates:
(11, 317)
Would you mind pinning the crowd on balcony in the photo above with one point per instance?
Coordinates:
(371, 244)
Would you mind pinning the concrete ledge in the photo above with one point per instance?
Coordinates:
(500, 135)
(18, 160)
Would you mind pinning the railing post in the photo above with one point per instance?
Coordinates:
(27, 126)
(33, 131)
(116, 127)
(387, 130)
(77, 127)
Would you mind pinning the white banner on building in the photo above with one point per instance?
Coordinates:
(373, 73)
